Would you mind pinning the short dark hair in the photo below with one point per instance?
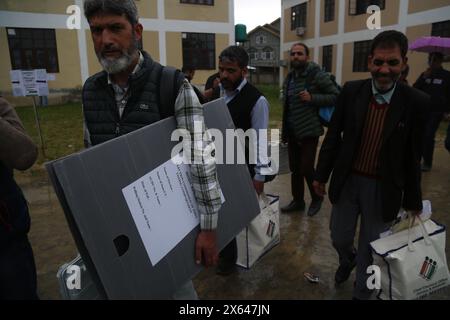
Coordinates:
(235, 54)
(187, 68)
(128, 8)
(436, 55)
(390, 39)
(303, 45)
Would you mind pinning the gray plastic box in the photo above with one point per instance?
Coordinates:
(89, 186)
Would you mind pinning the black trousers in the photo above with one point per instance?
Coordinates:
(228, 255)
(431, 127)
(17, 271)
(302, 156)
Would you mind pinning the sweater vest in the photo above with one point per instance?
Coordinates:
(100, 109)
(241, 106)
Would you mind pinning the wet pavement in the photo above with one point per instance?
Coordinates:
(305, 244)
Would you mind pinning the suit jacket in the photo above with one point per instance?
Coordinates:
(399, 160)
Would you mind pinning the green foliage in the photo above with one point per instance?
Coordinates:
(62, 129)
(272, 94)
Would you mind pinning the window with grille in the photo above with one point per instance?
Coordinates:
(327, 58)
(441, 29)
(252, 54)
(33, 49)
(361, 52)
(199, 50)
(357, 7)
(261, 39)
(267, 54)
(298, 16)
(329, 10)
(204, 2)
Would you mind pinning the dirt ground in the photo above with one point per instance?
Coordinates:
(305, 244)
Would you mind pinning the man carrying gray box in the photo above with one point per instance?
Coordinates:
(132, 93)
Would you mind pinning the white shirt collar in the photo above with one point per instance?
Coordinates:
(236, 91)
(383, 97)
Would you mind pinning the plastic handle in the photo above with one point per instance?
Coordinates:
(266, 202)
(426, 237)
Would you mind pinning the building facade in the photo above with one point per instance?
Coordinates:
(34, 35)
(263, 47)
(336, 31)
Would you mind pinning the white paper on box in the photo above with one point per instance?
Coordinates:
(163, 207)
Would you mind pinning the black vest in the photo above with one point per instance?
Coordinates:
(14, 217)
(100, 109)
(240, 108)
(242, 105)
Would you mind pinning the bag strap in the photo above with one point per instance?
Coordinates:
(170, 83)
(263, 196)
(426, 237)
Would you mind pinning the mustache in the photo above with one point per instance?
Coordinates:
(384, 75)
(110, 49)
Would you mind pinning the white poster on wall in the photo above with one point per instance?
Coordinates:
(29, 82)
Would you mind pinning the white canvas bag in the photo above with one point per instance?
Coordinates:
(262, 234)
(412, 262)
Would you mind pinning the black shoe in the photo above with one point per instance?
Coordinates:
(225, 268)
(344, 271)
(294, 206)
(314, 208)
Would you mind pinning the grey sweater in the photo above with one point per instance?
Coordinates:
(17, 150)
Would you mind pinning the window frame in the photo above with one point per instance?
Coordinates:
(252, 52)
(329, 9)
(327, 58)
(261, 39)
(360, 62)
(33, 42)
(197, 59)
(359, 7)
(268, 53)
(197, 2)
(441, 29)
(300, 10)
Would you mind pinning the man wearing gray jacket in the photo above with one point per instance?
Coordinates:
(17, 267)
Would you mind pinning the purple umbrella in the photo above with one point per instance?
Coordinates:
(431, 44)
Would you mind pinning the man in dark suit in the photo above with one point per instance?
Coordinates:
(373, 149)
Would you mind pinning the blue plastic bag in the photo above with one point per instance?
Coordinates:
(325, 114)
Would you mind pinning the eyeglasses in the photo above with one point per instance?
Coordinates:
(391, 63)
(296, 54)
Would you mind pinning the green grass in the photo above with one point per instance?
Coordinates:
(62, 129)
(272, 94)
